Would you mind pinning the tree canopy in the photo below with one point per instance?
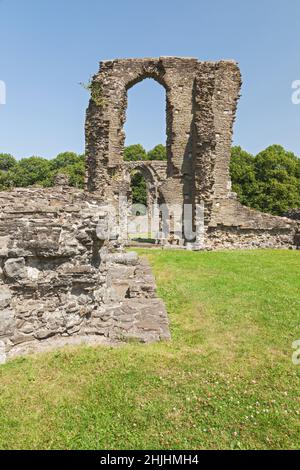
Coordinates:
(137, 152)
(134, 153)
(139, 189)
(38, 171)
(7, 161)
(158, 153)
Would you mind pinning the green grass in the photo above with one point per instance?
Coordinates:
(226, 380)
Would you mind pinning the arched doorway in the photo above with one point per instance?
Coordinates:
(145, 131)
(143, 200)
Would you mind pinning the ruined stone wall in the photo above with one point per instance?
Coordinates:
(64, 274)
(201, 99)
(224, 237)
(106, 117)
(217, 88)
(233, 225)
(201, 102)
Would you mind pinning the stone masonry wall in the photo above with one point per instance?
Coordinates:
(248, 228)
(64, 274)
(201, 103)
(106, 117)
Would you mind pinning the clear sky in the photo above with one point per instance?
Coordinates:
(48, 46)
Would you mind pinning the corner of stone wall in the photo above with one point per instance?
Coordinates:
(64, 276)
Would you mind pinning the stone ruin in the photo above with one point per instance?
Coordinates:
(64, 274)
(64, 278)
(201, 101)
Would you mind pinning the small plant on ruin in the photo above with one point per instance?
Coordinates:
(95, 90)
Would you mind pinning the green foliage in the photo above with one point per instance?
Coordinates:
(158, 153)
(7, 164)
(139, 189)
(5, 180)
(278, 176)
(71, 164)
(31, 171)
(134, 153)
(66, 159)
(95, 89)
(242, 174)
(76, 173)
(7, 161)
(96, 93)
(269, 182)
(39, 171)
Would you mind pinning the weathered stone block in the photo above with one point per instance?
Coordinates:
(5, 296)
(14, 268)
(69, 285)
(7, 322)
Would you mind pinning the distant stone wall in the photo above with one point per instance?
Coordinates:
(233, 225)
(107, 113)
(221, 238)
(63, 274)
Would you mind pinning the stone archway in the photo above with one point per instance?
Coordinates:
(201, 105)
(106, 118)
(154, 181)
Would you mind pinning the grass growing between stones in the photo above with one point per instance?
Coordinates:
(226, 380)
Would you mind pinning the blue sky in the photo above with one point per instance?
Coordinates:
(48, 46)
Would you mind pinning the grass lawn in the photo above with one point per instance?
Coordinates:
(226, 380)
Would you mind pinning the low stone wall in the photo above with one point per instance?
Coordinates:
(234, 226)
(63, 274)
(221, 238)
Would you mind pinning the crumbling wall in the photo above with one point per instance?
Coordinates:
(201, 102)
(64, 274)
(217, 87)
(233, 225)
(106, 117)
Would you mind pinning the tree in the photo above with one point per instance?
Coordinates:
(135, 153)
(31, 171)
(5, 181)
(243, 175)
(269, 182)
(278, 176)
(65, 159)
(7, 161)
(71, 164)
(76, 173)
(159, 152)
